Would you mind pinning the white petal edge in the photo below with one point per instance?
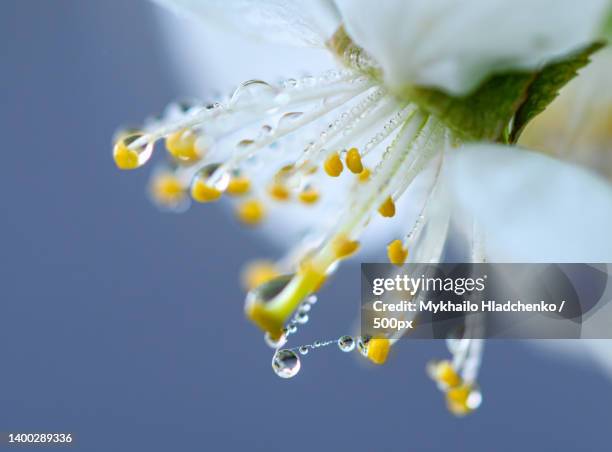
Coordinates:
(534, 208)
(296, 22)
(455, 44)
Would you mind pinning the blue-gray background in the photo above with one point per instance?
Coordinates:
(125, 326)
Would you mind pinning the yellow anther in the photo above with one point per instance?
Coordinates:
(309, 196)
(387, 209)
(167, 189)
(364, 176)
(201, 192)
(267, 320)
(457, 400)
(251, 212)
(279, 192)
(238, 186)
(397, 253)
(378, 350)
(182, 145)
(125, 158)
(257, 273)
(344, 247)
(353, 161)
(270, 315)
(333, 165)
(313, 274)
(445, 373)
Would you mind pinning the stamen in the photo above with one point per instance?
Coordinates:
(344, 247)
(204, 193)
(128, 154)
(333, 165)
(238, 186)
(309, 195)
(251, 212)
(387, 209)
(258, 273)
(364, 176)
(167, 190)
(182, 146)
(353, 161)
(397, 253)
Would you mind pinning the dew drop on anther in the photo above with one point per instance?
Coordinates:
(286, 363)
(362, 344)
(275, 343)
(346, 344)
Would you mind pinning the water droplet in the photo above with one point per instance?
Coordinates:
(304, 307)
(474, 399)
(128, 154)
(252, 91)
(214, 176)
(288, 118)
(285, 363)
(269, 290)
(312, 299)
(304, 350)
(292, 328)
(346, 344)
(281, 341)
(301, 317)
(316, 344)
(362, 344)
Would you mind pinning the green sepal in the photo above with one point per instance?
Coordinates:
(501, 107)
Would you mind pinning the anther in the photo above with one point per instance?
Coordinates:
(238, 186)
(333, 165)
(387, 209)
(344, 247)
(201, 192)
(378, 350)
(279, 192)
(353, 161)
(397, 253)
(458, 400)
(259, 272)
(445, 374)
(251, 212)
(182, 146)
(364, 176)
(309, 196)
(126, 157)
(167, 189)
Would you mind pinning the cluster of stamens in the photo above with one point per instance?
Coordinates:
(339, 143)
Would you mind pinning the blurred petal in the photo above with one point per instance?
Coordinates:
(454, 44)
(534, 208)
(299, 22)
(208, 60)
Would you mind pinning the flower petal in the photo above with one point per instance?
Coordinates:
(454, 45)
(533, 208)
(299, 22)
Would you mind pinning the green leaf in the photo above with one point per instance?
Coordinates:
(488, 112)
(545, 87)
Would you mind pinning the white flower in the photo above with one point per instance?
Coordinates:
(353, 141)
